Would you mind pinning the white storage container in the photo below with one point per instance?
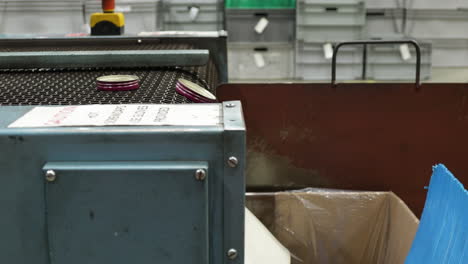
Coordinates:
(322, 71)
(260, 61)
(386, 62)
(434, 4)
(330, 13)
(417, 4)
(420, 24)
(241, 23)
(312, 63)
(450, 53)
(196, 15)
(315, 53)
(319, 20)
(384, 22)
(329, 33)
(437, 24)
(383, 3)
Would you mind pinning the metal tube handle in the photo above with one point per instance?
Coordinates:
(414, 43)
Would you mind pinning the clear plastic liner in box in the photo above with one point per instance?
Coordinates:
(321, 226)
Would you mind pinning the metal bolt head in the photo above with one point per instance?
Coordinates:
(230, 105)
(233, 162)
(232, 253)
(50, 176)
(200, 175)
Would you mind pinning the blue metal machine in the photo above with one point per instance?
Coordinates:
(122, 194)
(169, 193)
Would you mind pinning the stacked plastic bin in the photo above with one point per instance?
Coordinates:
(392, 63)
(320, 24)
(192, 15)
(440, 23)
(261, 39)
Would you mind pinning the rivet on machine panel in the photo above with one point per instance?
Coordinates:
(50, 176)
(232, 253)
(230, 105)
(200, 175)
(233, 162)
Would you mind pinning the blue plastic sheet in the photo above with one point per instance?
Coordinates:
(442, 236)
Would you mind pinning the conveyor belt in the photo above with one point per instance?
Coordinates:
(77, 86)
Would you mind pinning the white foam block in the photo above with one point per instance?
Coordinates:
(259, 60)
(261, 247)
(261, 25)
(193, 13)
(405, 52)
(328, 51)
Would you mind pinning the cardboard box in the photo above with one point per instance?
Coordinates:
(338, 227)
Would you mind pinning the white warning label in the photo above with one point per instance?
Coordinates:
(122, 115)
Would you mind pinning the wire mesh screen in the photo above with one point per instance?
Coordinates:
(78, 86)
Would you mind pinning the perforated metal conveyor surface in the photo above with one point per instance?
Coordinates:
(78, 86)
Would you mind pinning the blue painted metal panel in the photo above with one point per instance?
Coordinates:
(234, 146)
(442, 235)
(143, 212)
(24, 152)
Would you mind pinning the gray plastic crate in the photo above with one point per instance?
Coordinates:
(438, 23)
(435, 4)
(311, 63)
(39, 17)
(421, 24)
(450, 53)
(176, 15)
(385, 63)
(417, 4)
(397, 72)
(333, 34)
(314, 53)
(240, 24)
(383, 22)
(446, 29)
(384, 4)
(330, 13)
(71, 16)
(320, 20)
(322, 71)
(279, 61)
